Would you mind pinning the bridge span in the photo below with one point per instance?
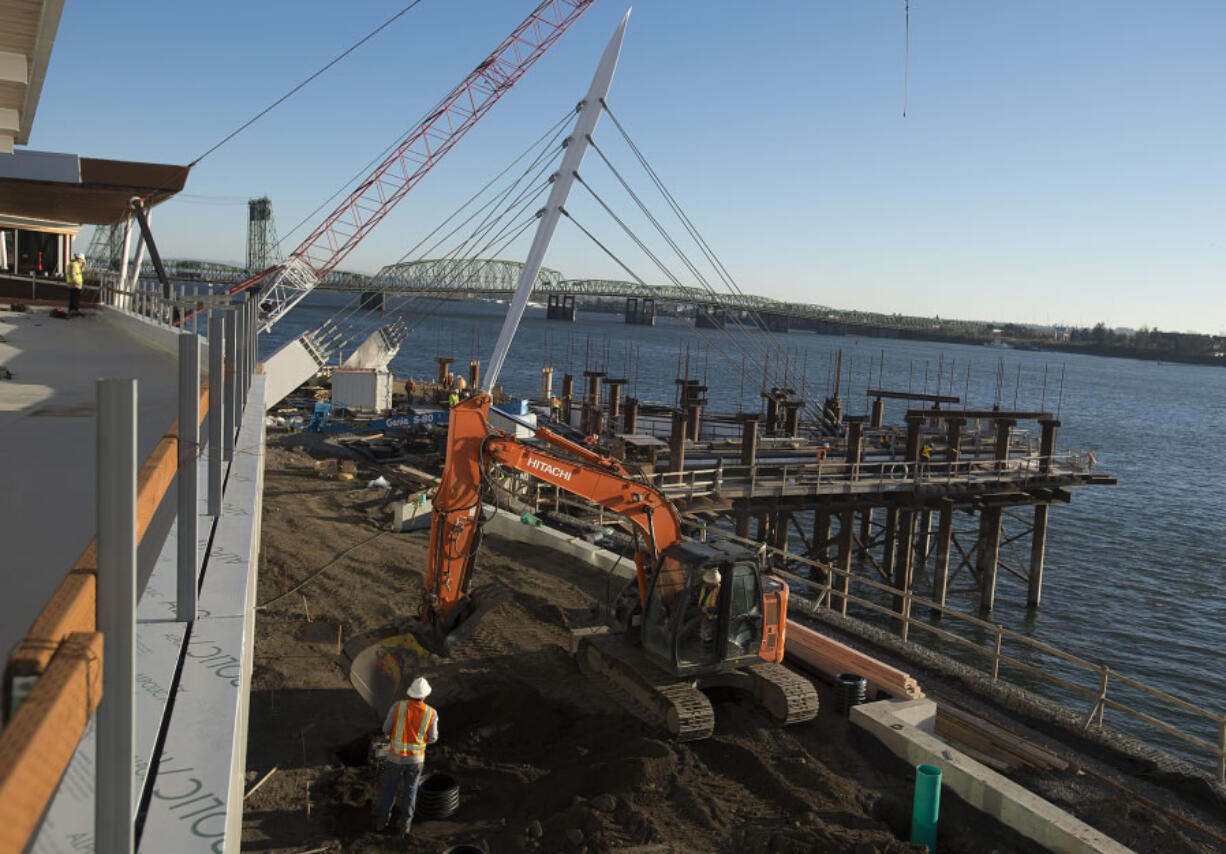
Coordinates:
(485, 277)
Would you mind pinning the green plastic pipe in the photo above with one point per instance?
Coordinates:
(926, 806)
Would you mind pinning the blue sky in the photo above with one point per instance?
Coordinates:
(1060, 162)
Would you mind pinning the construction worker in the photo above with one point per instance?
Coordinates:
(412, 725)
(461, 383)
(453, 399)
(76, 282)
(555, 409)
(708, 604)
(926, 452)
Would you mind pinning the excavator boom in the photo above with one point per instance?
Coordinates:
(455, 527)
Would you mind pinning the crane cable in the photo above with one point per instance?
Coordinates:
(906, 62)
(345, 313)
(763, 351)
(305, 82)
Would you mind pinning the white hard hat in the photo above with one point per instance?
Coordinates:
(711, 576)
(420, 689)
(80, 255)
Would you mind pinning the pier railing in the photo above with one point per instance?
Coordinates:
(766, 479)
(1092, 681)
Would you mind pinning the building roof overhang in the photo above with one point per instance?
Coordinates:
(27, 32)
(72, 189)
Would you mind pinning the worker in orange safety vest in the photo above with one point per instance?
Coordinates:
(412, 725)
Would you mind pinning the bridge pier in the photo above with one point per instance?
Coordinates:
(561, 307)
(374, 301)
(568, 395)
(710, 316)
(444, 366)
(630, 416)
(773, 322)
(614, 400)
(641, 313)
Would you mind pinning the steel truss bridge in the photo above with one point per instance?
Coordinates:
(466, 278)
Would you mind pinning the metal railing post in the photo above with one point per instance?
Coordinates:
(240, 368)
(217, 406)
(114, 804)
(253, 327)
(189, 474)
(231, 387)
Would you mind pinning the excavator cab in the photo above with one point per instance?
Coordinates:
(692, 625)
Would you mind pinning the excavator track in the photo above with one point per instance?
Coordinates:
(663, 701)
(789, 697)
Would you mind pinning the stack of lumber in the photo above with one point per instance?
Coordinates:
(831, 658)
(988, 743)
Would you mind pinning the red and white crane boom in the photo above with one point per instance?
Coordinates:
(283, 286)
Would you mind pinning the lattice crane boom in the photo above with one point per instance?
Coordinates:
(283, 286)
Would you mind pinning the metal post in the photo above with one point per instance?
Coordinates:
(124, 301)
(254, 331)
(231, 412)
(217, 407)
(114, 803)
(189, 474)
(240, 359)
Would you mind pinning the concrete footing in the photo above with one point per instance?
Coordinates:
(906, 729)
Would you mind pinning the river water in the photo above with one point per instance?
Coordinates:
(1134, 574)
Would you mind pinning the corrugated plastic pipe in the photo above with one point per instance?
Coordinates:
(926, 806)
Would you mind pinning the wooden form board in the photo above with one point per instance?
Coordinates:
(831, 658)
(992, 745)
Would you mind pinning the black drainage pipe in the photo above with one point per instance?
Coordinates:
(438, 796)
(853, 689)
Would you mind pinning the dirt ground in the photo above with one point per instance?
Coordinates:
(546, 759)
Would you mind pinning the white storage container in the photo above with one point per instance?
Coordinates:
(362, 389)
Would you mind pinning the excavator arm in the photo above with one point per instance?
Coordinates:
(455, 527)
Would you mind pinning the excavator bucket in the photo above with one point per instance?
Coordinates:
(383, 663)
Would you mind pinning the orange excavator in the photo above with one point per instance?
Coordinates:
(674, 633)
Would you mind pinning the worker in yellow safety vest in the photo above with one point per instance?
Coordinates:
(76, 281)
(412, 725)
(453, 399)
